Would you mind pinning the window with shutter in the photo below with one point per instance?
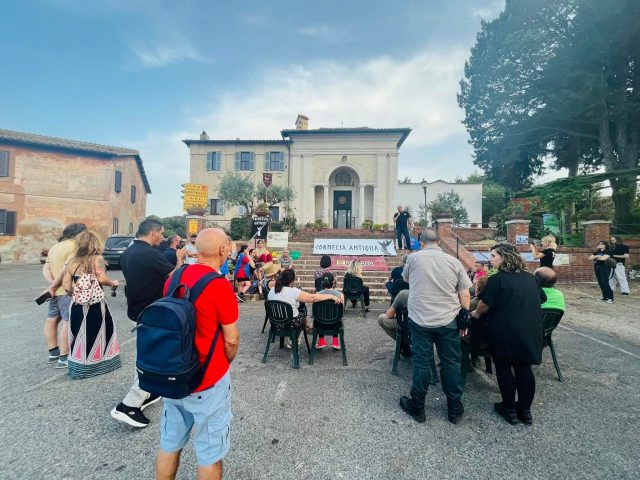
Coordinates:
(118, 182)
(274, 161)
(10, 223)
(245, 161)
(214, 161)
(133, 194)
(216, 206)
(115, 227)
(4, 163)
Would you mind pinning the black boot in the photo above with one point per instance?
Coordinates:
(455, 411)
(410, 406)
(524, 415)
(507, 413)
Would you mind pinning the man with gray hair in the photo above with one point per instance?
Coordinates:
(438, 305)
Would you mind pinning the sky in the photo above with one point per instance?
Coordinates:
(146, 74)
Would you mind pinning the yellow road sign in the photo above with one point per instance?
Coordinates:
(195, 198)
(196, 187)
(187, 205)
(193, 227)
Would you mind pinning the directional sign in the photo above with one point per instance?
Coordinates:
(188, 205)
(195, 187)
(195, 198)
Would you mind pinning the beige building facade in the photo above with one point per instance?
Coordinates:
(342, 176)
(47, 183)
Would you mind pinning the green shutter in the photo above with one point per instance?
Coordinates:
(237, 160)
(281, 160)
(266, 161)
(218, 165)
(252, 165)
(221, 202)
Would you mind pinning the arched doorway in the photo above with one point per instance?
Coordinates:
(343, 184)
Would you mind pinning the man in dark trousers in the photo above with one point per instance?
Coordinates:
(145, 270)
(402, 221)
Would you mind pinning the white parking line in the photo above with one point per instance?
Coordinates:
(599, 341)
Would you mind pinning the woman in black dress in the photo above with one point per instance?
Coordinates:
(512, 300)
(602, 270)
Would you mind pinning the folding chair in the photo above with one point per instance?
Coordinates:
(352, 289)
(280, 315)
(327, 320)
(403, 335)
(550, 319)
(266, 318)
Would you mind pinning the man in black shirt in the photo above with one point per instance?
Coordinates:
(620, 252)
(170, 252)
(402, 220)
(145, 271)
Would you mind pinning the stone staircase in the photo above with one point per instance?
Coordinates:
(306, 265)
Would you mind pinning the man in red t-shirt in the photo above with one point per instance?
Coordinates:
(208, 409)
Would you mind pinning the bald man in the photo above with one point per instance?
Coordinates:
(207, 410)
(547, 278)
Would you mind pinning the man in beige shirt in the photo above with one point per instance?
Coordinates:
(58, 256)
(439, 289)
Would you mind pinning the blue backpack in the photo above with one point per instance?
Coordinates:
(167, 359)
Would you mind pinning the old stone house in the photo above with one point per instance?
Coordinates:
(48, 182)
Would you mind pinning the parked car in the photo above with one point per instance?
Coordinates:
(115, 246)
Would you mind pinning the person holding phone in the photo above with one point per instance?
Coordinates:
(547, 253)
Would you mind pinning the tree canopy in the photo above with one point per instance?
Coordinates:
(235, 189)
(449, 202)
(558, 81)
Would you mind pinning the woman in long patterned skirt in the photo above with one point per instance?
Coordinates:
(93, 343)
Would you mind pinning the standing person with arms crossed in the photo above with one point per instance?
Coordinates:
(402, 221)
(145, 270)
(208, 409)
(439, 296)
(192, 251)
(59, 306)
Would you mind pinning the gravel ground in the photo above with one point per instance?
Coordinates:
(330, 421)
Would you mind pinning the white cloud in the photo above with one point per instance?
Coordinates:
(419, 92)
(323, 32)
(165, 52)
(490, 11)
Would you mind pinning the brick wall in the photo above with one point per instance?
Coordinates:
(475, 234)
(516, 228)
(595, 231)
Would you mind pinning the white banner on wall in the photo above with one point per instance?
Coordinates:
(354, 246)
(277, 239)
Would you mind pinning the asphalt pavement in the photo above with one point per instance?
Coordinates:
(326, 420)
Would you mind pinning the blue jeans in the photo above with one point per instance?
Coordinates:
(447, 341)
(400, 232)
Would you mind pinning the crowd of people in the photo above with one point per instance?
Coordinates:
(498, 307)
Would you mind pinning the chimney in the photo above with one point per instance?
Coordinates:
(204, 136)
(302, 122)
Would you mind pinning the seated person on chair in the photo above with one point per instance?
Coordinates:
(547, 278)
(285, 260)
(355, 270)
(329, 288)
(243, 266)
(284, 291)
(270, 274)
(396, 274)
(388, 320)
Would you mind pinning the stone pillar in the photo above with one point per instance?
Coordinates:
(595, 231)
(517, 228)
(325, 205)
(444, 226)
(361, 205)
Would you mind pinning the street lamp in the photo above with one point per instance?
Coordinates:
(424, 185)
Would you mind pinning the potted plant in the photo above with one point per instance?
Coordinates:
(515, 211)
(319, 225)
(367, 225)
(198, 210)
(440, 215)
(262, 209)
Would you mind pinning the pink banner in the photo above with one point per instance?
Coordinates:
(369, 264)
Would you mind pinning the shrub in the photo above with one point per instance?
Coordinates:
(367, 225)
(240, 228)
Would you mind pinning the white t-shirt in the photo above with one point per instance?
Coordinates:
(288, 295)
(191, 248)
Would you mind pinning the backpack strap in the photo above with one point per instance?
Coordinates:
(201, 284)
(205, 365)
(175, 280)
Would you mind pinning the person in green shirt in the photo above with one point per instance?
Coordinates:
(547, 279)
